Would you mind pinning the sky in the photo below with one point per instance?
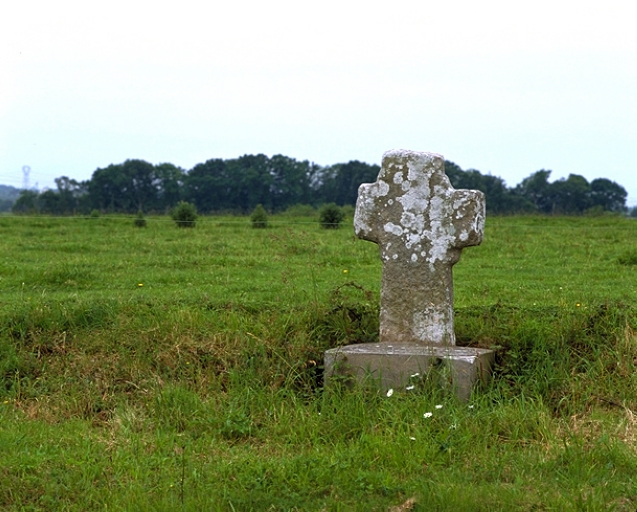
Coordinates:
(504, 87)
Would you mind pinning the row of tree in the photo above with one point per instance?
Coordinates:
(278, 182)
(572, 195)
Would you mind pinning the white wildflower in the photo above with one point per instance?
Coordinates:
(428, 414)
(438, 406)
(409, 388)
(390, 392)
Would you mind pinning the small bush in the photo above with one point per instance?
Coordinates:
(331, 216)
(95, 214)
(140, 221)
(184, 214)
(259, 217)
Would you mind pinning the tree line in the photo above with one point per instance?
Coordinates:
(238, 185)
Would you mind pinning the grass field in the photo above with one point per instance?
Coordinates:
(161, 368)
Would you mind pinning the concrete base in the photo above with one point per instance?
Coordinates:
(393, 365)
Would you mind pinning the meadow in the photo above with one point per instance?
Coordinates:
(161, 368)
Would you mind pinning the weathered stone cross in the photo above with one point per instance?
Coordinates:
(421, 224)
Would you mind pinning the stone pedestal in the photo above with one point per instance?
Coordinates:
(392, 365)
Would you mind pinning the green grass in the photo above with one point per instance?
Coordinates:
(172, 369)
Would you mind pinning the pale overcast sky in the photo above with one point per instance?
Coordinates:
(504, 87)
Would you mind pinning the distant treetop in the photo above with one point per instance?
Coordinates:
(238, 185)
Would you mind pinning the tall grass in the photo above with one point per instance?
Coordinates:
(168, 369)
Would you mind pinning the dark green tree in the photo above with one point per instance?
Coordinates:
(571, 195)
(209, 186)
(141, 188)
(608, 194)
(49, 202)
(169, 181)
(499, 198)
(290, 182)
(70, 193)
(536, 190)
(107, 189)
(251, 182)
(339, 183)
(27, 203)
(454, 173)
(127, 187)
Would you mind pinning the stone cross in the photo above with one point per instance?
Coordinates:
(421, 224)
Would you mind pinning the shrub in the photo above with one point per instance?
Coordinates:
(259, 217)
(331, 216)
(184, 214)
(95, 214)
(140, 221)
